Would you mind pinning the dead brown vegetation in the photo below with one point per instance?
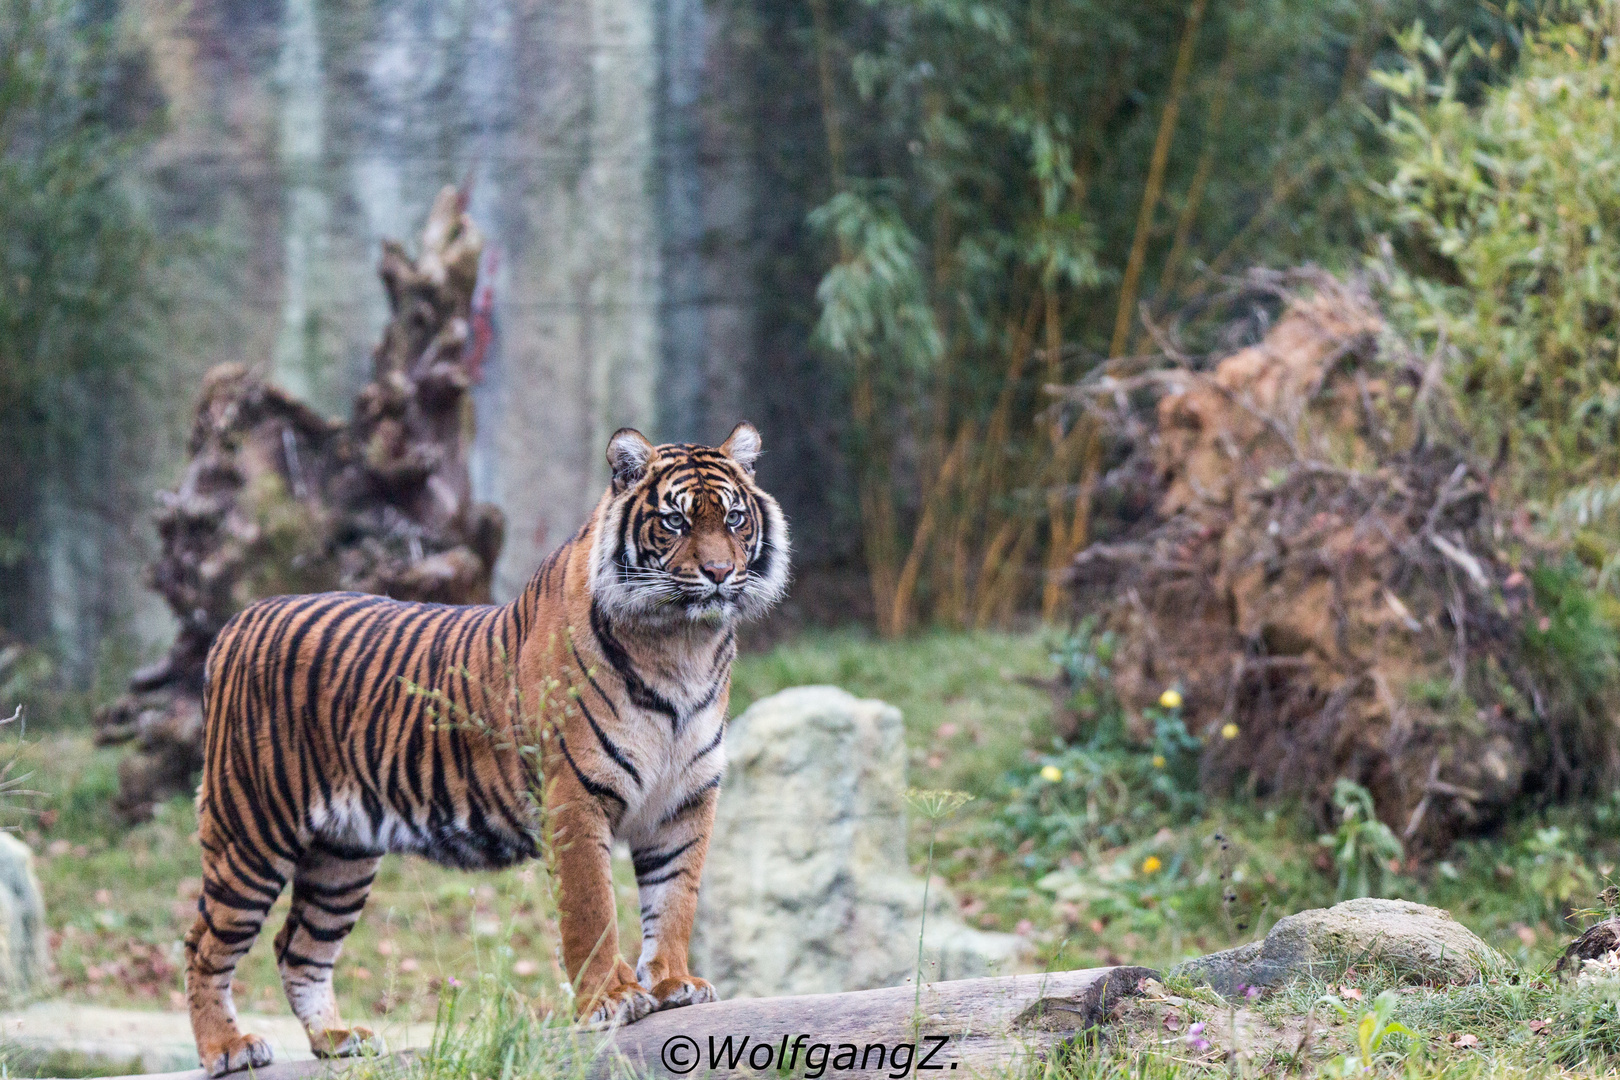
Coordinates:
(1318, 563)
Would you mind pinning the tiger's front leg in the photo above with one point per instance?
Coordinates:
(668, 870)
(605, 988)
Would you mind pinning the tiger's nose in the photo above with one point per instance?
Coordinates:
(717, 572)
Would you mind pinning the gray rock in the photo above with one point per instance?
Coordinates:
(1414, 942)
(24, 956)
(807, 888)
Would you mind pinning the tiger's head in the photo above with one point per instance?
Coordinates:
(686, 535)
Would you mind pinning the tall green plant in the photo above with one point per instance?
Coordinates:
(1363, 847)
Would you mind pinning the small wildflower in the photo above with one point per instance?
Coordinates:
(1170, 699)
(453, 982)
(1195, 1037)
(1158, 761)
(1229, 730)
(1051, 774)
(1152, 865)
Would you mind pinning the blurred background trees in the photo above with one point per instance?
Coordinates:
(79, 293)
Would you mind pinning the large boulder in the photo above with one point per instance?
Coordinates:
(1413, 942)
(24, 956)
(807, 888)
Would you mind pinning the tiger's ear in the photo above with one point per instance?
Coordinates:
(628, 454)
(743, 445)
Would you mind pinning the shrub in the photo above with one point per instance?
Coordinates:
(1508, 219)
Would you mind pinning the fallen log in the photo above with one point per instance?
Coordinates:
(967, 1026)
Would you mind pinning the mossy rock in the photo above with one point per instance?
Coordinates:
(1412, 942)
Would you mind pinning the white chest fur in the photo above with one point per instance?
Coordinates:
(674, 757)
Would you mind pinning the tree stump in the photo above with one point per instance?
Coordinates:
(278, 499)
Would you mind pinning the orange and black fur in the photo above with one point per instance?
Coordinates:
(327, 743)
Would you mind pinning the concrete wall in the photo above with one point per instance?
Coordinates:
(306, 131)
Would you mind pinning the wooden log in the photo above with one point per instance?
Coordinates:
(965, 1028)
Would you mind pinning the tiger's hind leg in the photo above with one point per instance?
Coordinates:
(329, 891)
(239, 886)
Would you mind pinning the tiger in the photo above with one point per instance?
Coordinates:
(337, 730)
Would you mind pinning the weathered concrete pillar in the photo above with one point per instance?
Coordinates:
(707, 171)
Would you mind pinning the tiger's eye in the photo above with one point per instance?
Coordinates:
(735, 519)
(674, 520)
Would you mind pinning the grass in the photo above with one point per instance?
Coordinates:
(120, 900)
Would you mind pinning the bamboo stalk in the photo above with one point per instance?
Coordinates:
(1058, 542)
(984, 587)
(1200, 180)
(998, 600)
(906, 585)
(988, 477)
(959, 574)
(829, 111)
(877, 507)
(995, 432)
(1067, 529)
(1155, 180)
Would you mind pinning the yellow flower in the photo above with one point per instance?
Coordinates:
(1171, 698)
(1152, 865)
(1158, 761)
(1051, 774)
(1229, 730)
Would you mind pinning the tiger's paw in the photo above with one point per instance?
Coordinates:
(624, 1004)
(241, 1052)
(683, 990)
(345, 1042)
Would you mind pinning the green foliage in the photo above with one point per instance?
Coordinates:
(1509, 219)
(490, 1029)
(1105, 789)
(1558, 874)
(1363, 846)
(1571, 637)
(873, 302)
(1571, 649)
(1588, 1028)
(1373, 1030)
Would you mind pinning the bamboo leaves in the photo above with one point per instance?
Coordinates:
(873, 301)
